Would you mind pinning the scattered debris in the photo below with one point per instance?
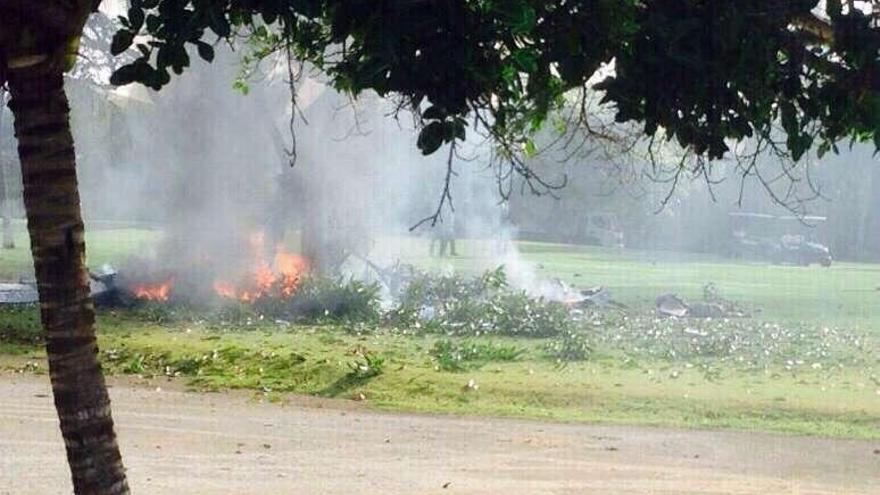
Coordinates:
(18, 293)
(592, 297)
(706, 310)
(712, 306)
(104, 289)
(102, 283)
(671, 305)
(711, 295)
(599, 297)
(393, 278)
(471, 386)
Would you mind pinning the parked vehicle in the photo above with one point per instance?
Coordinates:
(754, 237)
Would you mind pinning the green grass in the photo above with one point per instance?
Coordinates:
(846, 293)
(622, 382)
(111, 244)
(525, 383)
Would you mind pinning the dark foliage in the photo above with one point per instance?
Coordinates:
(321, 299)
(20, 324)
(703, 71)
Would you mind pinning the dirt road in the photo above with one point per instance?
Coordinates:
(185, 443)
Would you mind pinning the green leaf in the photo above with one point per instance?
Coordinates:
(434, 113)
(136, 18)
(138, 71)
(241, 86)
(122, 40)
(153, 23)
(220, 25)
(123, 75)
(526, 60)
(431, 138)
(206, 51)
(518, 14)
(460, 130)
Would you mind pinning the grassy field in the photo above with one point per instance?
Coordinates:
(808, 363)
(104, 245)
(609, 388)
(845, 293)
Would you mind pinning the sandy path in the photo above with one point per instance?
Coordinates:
(185, 443)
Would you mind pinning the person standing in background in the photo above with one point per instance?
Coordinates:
(444, 234)
(502, 229)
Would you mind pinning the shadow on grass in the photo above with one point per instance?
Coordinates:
(346, 384)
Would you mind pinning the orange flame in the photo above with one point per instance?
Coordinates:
(291, 267)
(286, 273)
(154, 292)
(225, 289)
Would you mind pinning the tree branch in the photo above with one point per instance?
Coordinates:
(819, 29)
(446, 196)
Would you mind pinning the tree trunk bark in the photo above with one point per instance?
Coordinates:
(48, 166)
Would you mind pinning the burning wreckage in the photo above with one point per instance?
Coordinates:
(276, 273)
(279, 275)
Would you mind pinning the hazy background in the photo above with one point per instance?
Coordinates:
(206, 166)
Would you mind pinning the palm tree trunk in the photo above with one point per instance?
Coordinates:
(48, 166)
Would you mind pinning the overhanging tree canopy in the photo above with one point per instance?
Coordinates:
(704, 71)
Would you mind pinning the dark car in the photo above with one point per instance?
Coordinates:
(788, 249)
(798, 250)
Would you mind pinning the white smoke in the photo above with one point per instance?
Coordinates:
(207, 165)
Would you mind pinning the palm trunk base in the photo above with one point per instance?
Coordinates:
(51, 198)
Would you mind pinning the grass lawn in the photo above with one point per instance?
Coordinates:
(834, 390)
(275, 360)
(103, 245)
(845, 293)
